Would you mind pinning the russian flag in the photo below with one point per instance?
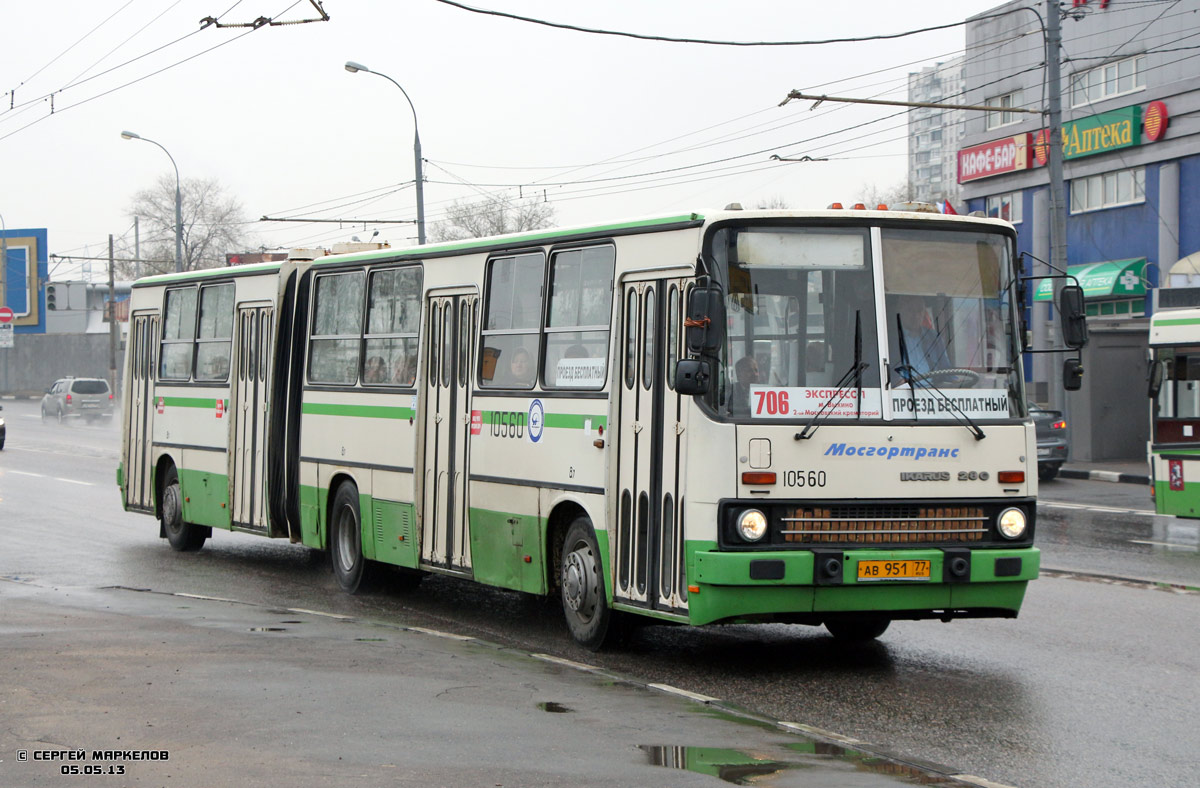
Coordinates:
(947, 208)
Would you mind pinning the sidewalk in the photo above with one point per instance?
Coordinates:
(1128, 471)
(173, 690)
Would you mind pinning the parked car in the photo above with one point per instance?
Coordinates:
(3, 430)
(78, 398)
(1052, 440)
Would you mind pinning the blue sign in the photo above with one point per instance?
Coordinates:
(537, 420)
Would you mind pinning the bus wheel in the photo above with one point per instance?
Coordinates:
(183, 537)
(583, 601)
(853, 630)
(345, 540)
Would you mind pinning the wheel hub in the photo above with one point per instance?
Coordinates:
(578, 587)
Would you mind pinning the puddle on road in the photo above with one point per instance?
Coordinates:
(554, 708)
(742, 767)
(732, 766)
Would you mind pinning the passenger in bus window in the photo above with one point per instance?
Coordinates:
(403, 369)
(746, 370)
(925, 345)
(521, 368)
(376, 370)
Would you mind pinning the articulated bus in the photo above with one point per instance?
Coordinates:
(742, 416)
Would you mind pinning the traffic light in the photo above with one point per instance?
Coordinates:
(51, 297)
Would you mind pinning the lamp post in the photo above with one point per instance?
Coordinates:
(129, 135)
(354, 68)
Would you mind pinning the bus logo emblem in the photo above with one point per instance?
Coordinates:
(537, 418)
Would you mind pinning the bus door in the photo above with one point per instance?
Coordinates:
(451, 322)
(248, 444)
(139, 409)
(649, 546)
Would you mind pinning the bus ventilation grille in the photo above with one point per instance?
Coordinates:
(885, 524)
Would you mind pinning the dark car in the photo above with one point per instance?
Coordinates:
(78, 398)
(3, 430)
(1052, 440)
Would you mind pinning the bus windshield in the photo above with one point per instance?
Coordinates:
(802, 311)
(949, 318)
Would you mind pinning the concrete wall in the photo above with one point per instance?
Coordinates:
(37, 360)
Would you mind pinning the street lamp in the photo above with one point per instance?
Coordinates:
(129, 135)
(354, 68)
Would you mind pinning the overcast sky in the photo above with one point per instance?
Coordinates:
(582, 120)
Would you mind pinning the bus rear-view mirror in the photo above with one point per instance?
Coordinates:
(692, 376)
(1072, 374)
(1074, 318)
(705, 325)
(1155, 378)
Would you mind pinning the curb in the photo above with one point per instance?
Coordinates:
(1104, 476)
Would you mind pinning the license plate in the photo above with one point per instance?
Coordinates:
(870, 571)
(1043, 452)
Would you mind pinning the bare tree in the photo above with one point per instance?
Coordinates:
(773, 202)
(873, 194)
(213, 224)
(495, 215)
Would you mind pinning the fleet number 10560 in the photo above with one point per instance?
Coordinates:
(804, 478)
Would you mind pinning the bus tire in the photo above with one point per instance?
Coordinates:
(857, 630)
(183, 537)
(345, 541)
(584, 604)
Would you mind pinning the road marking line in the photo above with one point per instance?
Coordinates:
(1165, 544)
(437, 633)
(1109, 509)
(52, 478)
(319, 613)
(815, 731)
(564, 662)
(207, 598)
(684, 693)
(980, 781)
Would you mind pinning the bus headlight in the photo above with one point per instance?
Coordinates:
(752, 525)
(1012, 523)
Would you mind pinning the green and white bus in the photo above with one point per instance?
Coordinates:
(1174, 447)
(742, 416)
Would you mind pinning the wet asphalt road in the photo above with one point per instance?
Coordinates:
(1094, 685)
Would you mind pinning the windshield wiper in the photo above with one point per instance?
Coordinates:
(912, 376)
(843, 385)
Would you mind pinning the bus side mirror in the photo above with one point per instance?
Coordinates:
(1155, 377)
(692, 376)
(1074, 317)
(1072, 374)
(705, 324)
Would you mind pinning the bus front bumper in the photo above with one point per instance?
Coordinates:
(804, 585)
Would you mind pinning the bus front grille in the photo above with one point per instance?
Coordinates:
(884, 524)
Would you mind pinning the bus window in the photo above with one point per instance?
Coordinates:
(581, 287)
(393, 317)
(216, 332)
(511, 336)
(672, 335)
(337, 328)
(648, 359)
(630, 339)
(179, 330)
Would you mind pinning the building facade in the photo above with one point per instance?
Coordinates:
(935, 135)
(1131, 148)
